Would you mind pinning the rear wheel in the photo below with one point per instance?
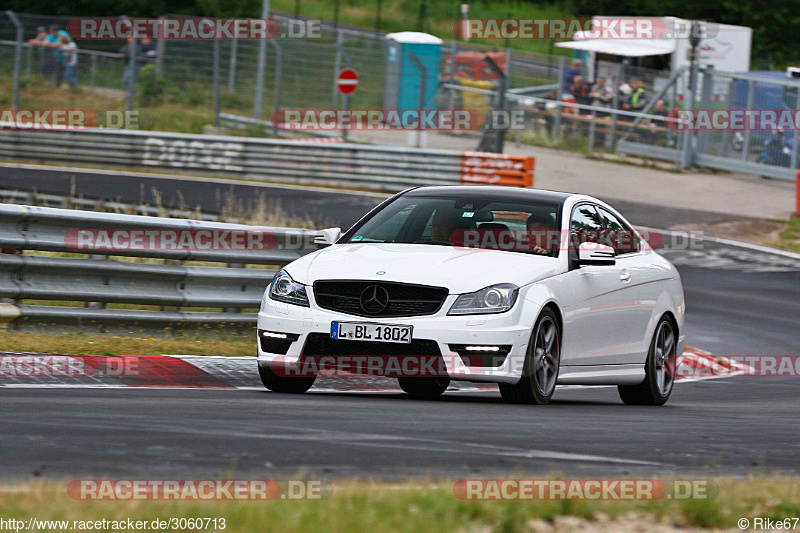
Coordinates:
(540, 371)
(276, 383)
(659, 369)
(424, 387)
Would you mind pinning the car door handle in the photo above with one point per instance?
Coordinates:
(625, 275)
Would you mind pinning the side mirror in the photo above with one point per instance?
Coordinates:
(592, 253)
(328, 236)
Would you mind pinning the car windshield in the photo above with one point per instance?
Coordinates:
(468, 221)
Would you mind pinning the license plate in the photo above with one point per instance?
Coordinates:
(365, 331)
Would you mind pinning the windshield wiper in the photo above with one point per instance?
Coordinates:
(436, 243)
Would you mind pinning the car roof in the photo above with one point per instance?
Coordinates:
(492, 192)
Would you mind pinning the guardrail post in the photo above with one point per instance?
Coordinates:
(97, 305)
(233, 309)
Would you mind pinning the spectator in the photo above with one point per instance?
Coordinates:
(624, 90)
(569, 75)
(70, 51)
(145, 52)
(45, 57)
(53, 40)
(638, 97)
(580, 91)
(602, 95)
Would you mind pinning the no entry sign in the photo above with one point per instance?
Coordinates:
(347, 81)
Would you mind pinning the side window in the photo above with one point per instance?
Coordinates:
(585, 226)
(618, 235)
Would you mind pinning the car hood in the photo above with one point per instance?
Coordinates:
(460, 270)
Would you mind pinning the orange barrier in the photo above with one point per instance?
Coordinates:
(497, 169)
(797, 195)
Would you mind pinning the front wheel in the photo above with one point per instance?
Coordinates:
(291, 385)
(428, 388)
(540, 371)
(659, 370)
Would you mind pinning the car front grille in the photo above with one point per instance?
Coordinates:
(403, 299)
(419, 358)
(323, 344)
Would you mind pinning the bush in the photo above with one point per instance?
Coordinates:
(151, 86)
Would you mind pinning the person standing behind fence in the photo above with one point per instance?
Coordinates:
(45, 56)
(144, 51)
(53, 40)
(571, 72)
(70, 50)
(638, 98)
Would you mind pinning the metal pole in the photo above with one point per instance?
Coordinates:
(453, 56)
(423, 73)
(262, 59)
(161, 48)
(751, 85)
(132, 73)
(591, 133)
(337, 65)
(93, 70)
(612, 138)
(278, 71)
(560, 92)
(216, 83)
(688, 136)
(232, 65)
(17, 57)
(378, 17)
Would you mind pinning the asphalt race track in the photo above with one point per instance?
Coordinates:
(740, 301)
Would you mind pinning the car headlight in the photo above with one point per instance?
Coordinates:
(284, 289)
(495, 299)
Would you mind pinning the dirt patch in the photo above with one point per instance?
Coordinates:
(755, 231)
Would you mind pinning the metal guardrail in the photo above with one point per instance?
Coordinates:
(386, 168)
(98, 280)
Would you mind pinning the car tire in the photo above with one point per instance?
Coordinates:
(542, 361)
(659, 369)
(291, 385)
(428, 388)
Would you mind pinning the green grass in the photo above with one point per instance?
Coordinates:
(85, 344)
(402, 15)
(789, 239)
(415, 506)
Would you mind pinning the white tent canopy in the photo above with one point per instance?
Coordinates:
(623, 47)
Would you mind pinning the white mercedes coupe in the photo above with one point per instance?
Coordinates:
(525, 288)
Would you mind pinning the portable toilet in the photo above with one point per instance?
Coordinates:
(403, 77)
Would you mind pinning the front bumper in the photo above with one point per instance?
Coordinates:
(502, 329)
